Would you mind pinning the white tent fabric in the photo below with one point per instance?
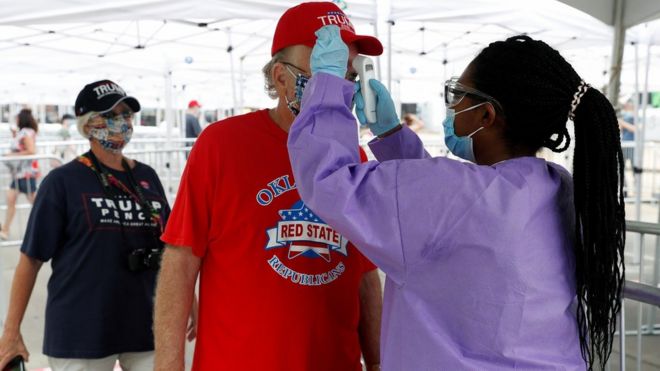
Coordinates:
(634, 11)
(50, 48)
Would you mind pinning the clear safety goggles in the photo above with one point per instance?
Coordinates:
(301, 72)
(455, 92)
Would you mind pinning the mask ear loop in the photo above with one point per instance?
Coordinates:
(471, 108)
(301, 81)
(292, 105)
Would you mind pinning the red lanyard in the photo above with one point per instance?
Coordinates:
(107, 180)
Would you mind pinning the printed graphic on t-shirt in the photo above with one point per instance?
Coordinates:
(105, 212)
(305, 236)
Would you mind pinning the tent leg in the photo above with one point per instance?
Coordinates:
(230, 50)
(617, 54)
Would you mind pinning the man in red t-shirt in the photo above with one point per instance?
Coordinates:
(279, 288)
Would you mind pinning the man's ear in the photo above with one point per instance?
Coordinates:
(279, 78)
(489, 115)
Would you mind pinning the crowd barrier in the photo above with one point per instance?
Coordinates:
(640, 307)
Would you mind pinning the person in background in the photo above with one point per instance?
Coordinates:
(97, 219)
(500, 261)
(68, 121)
(413, 122)
(627, 122)
(280, 290)
(65, 151)
(192, 119)
(24, 172)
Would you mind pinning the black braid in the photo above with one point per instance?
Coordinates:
(535, 86)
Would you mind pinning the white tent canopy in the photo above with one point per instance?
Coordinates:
(50, 48)
(634, 11)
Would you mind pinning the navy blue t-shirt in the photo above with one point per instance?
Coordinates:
(96, 306)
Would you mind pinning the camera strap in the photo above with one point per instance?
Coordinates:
(108, 181)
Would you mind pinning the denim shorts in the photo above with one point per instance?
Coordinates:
(25, 185)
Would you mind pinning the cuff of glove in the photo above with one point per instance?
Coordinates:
(335, 71)
(390, 132)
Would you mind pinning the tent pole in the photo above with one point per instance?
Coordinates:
(377, 20)
(637, 158)
(645, 101)
(390, 23)
(241, 83)
(617, 53)
(230, 49)
(169, 112)
(169, 121)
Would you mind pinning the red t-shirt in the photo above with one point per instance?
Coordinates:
(279, 289)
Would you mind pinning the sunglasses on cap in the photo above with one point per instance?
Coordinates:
(455, 92)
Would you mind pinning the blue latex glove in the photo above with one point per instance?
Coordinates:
(330, 54)
(386, 117)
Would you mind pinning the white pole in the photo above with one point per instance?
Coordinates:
(169, 110)
(617, 53)
(390, 23)
(169, 120)
(230, 49)
(241, 84)
(383, 10)
(640, 129)
(637, 158)
(376, 19)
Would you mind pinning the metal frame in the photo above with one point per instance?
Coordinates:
(642, 293)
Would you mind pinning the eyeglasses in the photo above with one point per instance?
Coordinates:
(303, 72)
(110, 115)
(455, 92)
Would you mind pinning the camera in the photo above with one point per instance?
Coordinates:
(144, 259)
(15, 364)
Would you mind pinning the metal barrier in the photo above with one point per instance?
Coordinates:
(645, 297)
(167, 162)
(22, 173)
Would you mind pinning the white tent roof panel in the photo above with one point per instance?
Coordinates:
(66, 38)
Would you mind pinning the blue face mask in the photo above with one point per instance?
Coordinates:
(459, 146)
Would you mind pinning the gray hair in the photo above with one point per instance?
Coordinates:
(269, 84)
(82, 121)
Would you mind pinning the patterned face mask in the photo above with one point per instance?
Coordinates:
(115, 134)
(301, 82)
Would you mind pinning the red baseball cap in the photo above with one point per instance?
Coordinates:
(194, 103)
(298, 24)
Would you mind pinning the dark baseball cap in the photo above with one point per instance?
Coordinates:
(102, 96)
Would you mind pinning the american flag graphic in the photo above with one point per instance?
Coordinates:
(308, 249)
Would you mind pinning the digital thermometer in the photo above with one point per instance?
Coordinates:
(364, 66)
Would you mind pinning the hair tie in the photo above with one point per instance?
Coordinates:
(581, 90)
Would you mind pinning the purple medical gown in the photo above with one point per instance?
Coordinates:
(479, 261)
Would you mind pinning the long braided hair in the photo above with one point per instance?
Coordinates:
(536, 87)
